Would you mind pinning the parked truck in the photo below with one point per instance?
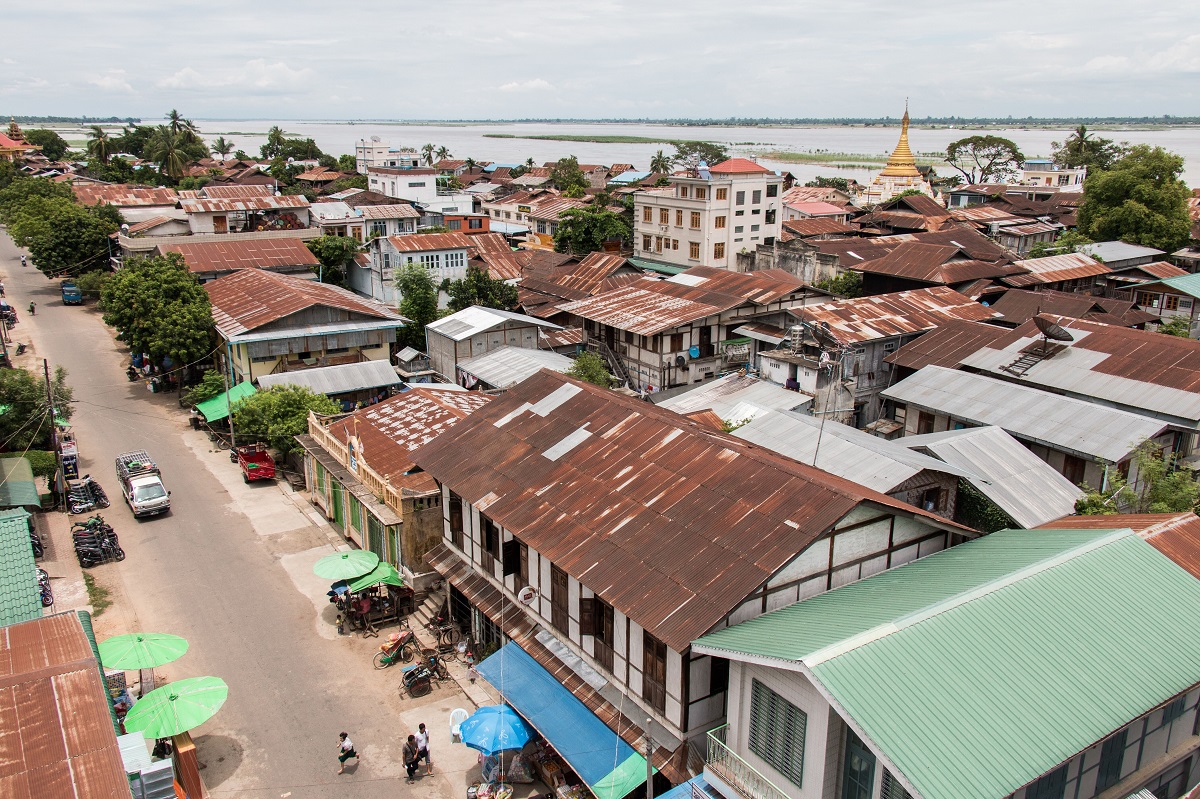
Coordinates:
(141, 483)
(71, 295)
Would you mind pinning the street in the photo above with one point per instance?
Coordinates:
(229, 568)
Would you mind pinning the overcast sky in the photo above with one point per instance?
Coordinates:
(645, 58)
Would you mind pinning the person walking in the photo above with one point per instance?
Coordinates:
(33, 309)
(345, 751)
(1, 288)
(423, 748)
(411, 758)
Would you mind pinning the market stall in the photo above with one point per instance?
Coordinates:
(376, 598)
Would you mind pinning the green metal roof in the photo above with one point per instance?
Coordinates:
(217, 408)
(654, 266)
(976, 670)
(1188, 284)
(19, 597)
(17, 486)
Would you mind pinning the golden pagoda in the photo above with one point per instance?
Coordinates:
(900, 174)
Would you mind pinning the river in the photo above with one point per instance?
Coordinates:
(470, 140)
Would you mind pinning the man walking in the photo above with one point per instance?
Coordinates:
(411, 758)
(345, 751)
(423, 748)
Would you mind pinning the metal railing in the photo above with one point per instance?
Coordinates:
(737, 773)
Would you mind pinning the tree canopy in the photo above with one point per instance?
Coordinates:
(53, 146)
(62, 236)
(1069, 241)
(689, 154)
(569, 178)
(584, 230)
(1164, 485)
(1175, 326)
(1140, 200)
(985, 159)
(822, 182)
(27, 421)
(479, 288)
(848, 284)
(335, 254)
(1083, 148)
(418, 302)
(591, 368)
(158, 307)
(276, 416)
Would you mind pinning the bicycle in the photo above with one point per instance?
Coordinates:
(445, 632)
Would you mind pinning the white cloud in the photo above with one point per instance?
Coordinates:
(8, 61)
(256, 76)
(534, 85)
(111, 81)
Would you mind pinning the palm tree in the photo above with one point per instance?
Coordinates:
(221, 147)
(529, 162)
(275, 140)
(443, 152)
(175, 121)
(166, 148)
(470, 164)
(660, 164)
(101, 145)
(427, 153)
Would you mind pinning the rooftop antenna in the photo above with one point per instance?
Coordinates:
(1051, 330)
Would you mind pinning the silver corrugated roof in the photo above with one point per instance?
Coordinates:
(1109, 251)
(340, 379)
(507, 366)
(1091, 431)
(736, 398)
(476, 319)
(840, 449)
(1023, 485)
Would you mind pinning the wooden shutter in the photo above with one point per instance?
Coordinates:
(587, 616)
(510, 555)
(777, 729)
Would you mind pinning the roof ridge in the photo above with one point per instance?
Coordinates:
(881, 631)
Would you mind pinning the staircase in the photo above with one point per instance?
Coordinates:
(610, 357)
(1023, 364)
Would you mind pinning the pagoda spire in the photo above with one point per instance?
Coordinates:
(902, 163)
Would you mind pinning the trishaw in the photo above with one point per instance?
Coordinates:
(378, 598)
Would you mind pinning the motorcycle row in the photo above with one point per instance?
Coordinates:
(95, 542)
(85, 494)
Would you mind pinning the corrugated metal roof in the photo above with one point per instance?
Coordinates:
(1162, 270)
(269, 203)
(334, 211)
(1110, 251)
(1040, 644)
(671, 523)
(507, 366)
(212, 192)
(1176, 535)
(235, 254)
(946, 345)
(933, 263)
(886, 315)
(250, 298)
(58, 736)
(1019, 306)
(1187, 284)
(17, 485)
(815, 208)
(1092, 431)
(560, 338)
(1142, 371)
(736, 398)
(341, 379)
(816, 226)
(468, 322)
(430, 241)
(123, 195)
(1055, 268)
(19, 597)
(1024, 486)
(392, 211)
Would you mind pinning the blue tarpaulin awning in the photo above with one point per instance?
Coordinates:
(610, 767)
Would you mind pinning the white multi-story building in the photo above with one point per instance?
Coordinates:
(706, 217)
(374, 152)
(1044, 172)
(419, 186)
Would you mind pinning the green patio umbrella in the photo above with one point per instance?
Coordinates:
(177, 707)
(346, 565)
(141, 650)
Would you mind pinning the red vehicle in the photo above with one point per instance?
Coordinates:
(256, 463)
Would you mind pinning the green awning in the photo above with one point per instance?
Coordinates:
(217, 408)
(665, 269)
(383, 574)
(19, 597)
(17, 486)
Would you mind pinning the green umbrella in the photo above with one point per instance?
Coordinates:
(346, 565)
(141, 650)
(383, 573)
(177, 707)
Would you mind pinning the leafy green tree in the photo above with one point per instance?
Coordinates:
(569, 178)
(18, 193)
(53, 146)
(27, 423)
(1141, 200)
(210, 385)
(64, 237)
(1164, 485)
(1069, 241)
(274, 146)
(167, 150)
(221, 147)
(584, 230)
(821, 182)
(241, 155)
(479, 288)
(276, 416)
(8, 173)
(1083, 148)
(418, 302)
(335, 254)
(591, 368)
(91, 283)
(158, 307)
(1176, 326)
(848, 284)
(469, 163)
(355, 181)
(529, 162)
(689, 154)
(427, 152)
(99, 144)
(660, 164)
(299, 149)
(985, 159)
(347, 163)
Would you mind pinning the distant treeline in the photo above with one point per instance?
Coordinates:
(1166, 119)
(80, 120)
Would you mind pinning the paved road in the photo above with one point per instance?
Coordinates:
(230, 569)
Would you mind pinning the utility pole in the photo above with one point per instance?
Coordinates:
(229, 410)
(649, 761)
(58, 478)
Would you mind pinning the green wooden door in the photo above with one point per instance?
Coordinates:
(339, 512)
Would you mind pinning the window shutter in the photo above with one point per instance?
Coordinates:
(510, 554)
(587, 616)
(777, 729)
(891, 788)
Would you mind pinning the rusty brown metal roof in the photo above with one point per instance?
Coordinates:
(1176, 535)
(56, 734)
(123, 195)
(1055, 268)
(947, 345)
(1162, 270)
(430, 241)
(816, 226)
(389, 211)
(884, 315)
(234, 254)
(549, 339)
(934, 263)
(250, 298)
(212, 192)
(269, 203)
(1018, 306)
(573, 280)
(670, 522)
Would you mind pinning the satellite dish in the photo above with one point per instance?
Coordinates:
(824, 336)
(680, 361)
(1051, 329)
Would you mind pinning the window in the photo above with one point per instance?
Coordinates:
(739, 198)
(773, 190)
(1073, 469)
(718, 675)
(647, 243)
(491, 543)
(701, 193)
(924, 423)
(695, 220)
(658, 243)
(647, 214)
(777, 732)
(454, 224)
(739, 213)
(596, 619)
(379, 228)
(515, 556)
(754, 228)
(1147, 300)
(683, 191)
(654, 672)
(420, 185)
(679, 218)
(719, 222)
(1173, 710)
(1051, 786)
(738, 228)
(628, 336)
(676, 342)
(664, 216)
(770, 216)
(674, 244)
(475, 224)
(559, 615)
(454, 259)
(1170, 302)
(693, 249)
(756, 197)
(891, 788)
(722, 194)
(1112, 755)
(719, 250)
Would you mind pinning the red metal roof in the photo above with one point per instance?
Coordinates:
(885, 315)
(236, 192)
(56, 735)
(267, 203)
(123, 195)
(817, 208)
(737, 166)
(1162, 270)
(934, 263)
(424, 242)
(228, 256)
(1176, 535)
(670, 522)
(1018, 306)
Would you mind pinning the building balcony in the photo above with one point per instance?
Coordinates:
(729, 769)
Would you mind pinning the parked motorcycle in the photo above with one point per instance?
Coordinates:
(43, 580)
(95, 542)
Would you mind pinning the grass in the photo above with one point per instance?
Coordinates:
(98, 595)
(593, 139)
(850, 160)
